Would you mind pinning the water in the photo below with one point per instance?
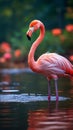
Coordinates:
(24, 103)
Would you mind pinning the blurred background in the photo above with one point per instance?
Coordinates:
(15, 16)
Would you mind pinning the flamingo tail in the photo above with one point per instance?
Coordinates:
(71, 72)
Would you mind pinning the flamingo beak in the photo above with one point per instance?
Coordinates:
(29, 38)
(29, 33)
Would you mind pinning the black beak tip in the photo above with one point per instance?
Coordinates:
(29, 38)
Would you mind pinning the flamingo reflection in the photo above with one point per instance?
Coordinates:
(51, 119)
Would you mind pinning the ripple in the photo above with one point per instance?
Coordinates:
(43, 120)
(27, 98)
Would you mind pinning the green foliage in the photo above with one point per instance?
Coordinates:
(16, 15)
(68, 43)
(50, 43)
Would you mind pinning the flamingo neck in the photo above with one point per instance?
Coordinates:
(31, 61)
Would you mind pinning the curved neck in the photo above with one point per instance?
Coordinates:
(31, 60)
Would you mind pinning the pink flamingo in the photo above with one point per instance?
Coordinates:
(51, 65)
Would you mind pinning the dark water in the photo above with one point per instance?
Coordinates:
(24, 103)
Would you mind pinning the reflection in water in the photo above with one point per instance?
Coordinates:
(28, 108)
(7, 85)
(8, 115)
(51, 119)
(12, 116)
(37, 116)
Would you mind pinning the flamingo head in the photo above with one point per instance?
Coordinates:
(34, 25)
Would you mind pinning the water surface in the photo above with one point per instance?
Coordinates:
(24, 103)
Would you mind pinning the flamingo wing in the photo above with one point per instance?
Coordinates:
(48, 68)
(55, 69)
(52, 63)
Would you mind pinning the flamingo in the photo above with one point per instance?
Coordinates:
(51, 65)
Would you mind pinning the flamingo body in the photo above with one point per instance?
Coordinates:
(52, 65)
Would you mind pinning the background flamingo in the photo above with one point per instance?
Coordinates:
(51, 65)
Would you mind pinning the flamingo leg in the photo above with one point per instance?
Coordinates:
(49, 93)
(56, 89)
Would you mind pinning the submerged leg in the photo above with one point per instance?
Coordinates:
(56, 89)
